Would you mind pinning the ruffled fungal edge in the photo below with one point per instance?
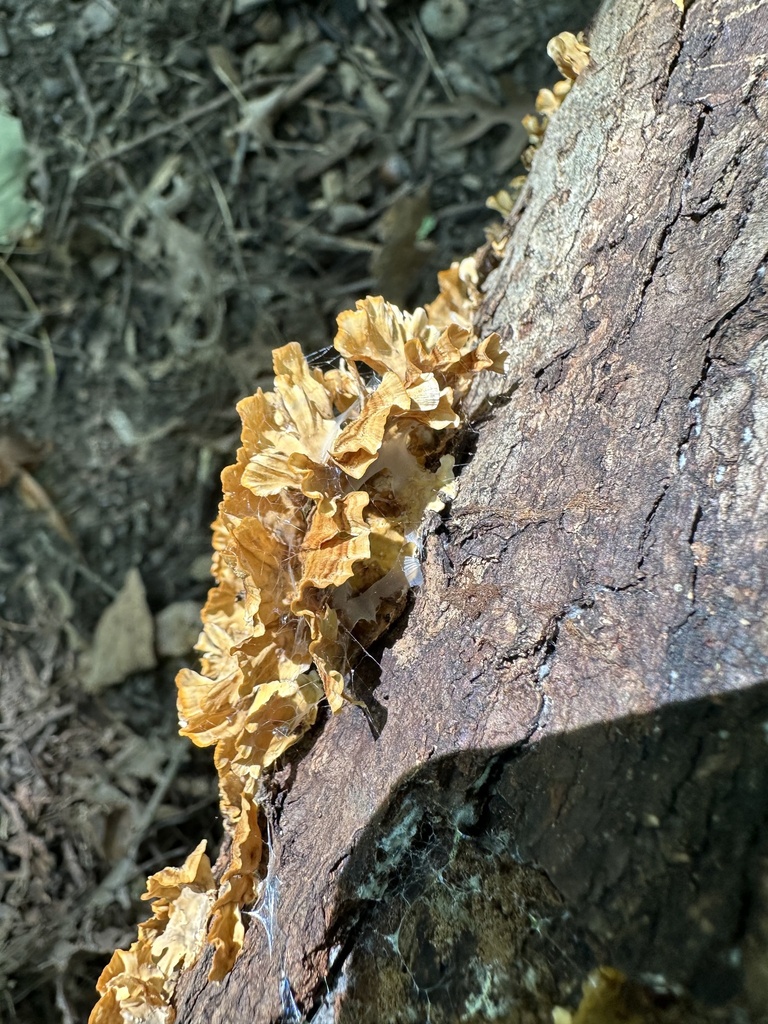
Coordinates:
(315, 549)
(572, 57)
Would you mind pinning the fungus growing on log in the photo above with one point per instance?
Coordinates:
(571, 55)
(315, 549)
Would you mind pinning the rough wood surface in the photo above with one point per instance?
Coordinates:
(570, 768)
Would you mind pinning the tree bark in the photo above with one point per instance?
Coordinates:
(569, 766)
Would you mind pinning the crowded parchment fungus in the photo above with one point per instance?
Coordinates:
(571, 55)
(315, 549)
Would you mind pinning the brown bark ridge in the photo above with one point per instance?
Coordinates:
(569, 765)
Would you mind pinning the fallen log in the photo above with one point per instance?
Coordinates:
(563, 760)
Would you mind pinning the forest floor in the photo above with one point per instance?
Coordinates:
(211, 179)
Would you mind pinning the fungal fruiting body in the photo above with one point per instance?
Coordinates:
(571, 55)
(135, 986)
(315, 548)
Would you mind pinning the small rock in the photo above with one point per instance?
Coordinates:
(243, 6)
(97, 18)
(268, 26)
(42, 29)
(54, 88)
(122, 426)
(347, 215)
(394, 170)
(104, 264)
(177, 629)
(444, 19)
(200, 569)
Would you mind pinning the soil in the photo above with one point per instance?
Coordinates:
(215, 179)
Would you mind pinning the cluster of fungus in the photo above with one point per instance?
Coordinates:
(571, 55)
(315, 549)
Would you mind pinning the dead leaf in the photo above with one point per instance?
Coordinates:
(124, 639)
(178, 627)
(35, 497)
(397, 263)
(17, 453)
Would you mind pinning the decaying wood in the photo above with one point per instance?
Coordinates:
(569, 761)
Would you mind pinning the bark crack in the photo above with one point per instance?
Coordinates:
(691, 596)
(671, 221)
(731, 313)
(642, 546)
(661, 94)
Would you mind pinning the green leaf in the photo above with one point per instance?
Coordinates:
(427, 226)
(16, 212)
